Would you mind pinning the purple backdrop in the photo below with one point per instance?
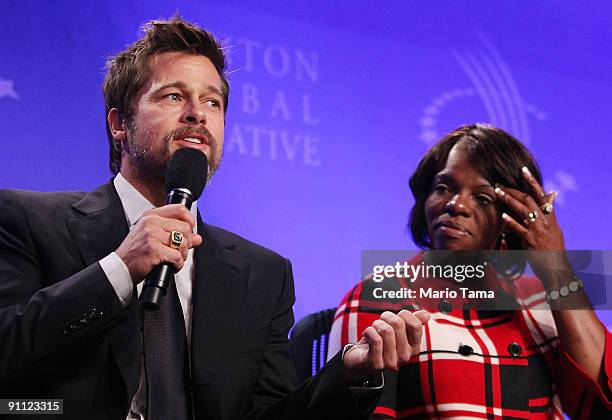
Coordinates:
(331, 108)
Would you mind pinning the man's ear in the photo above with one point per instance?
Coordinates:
(117, 125)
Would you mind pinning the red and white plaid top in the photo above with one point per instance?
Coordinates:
(478, 364)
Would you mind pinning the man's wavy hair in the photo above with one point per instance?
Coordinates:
(128, 71)
(497, 155)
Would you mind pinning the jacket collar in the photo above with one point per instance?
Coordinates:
(99, 224)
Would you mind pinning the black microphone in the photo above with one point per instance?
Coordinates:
(185, 180)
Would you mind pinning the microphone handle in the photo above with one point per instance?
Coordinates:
(156, 282)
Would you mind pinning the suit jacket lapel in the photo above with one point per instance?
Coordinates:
(98, 228)
(220, 284)
(100, 224)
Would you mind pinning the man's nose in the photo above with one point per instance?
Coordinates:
(195, 113)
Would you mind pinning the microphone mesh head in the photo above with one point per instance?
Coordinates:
(188, 169)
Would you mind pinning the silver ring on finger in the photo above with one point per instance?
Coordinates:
(547, 208)
(531, 217)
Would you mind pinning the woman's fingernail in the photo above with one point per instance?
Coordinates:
(505, 216)
(499, 191)
(526, 171)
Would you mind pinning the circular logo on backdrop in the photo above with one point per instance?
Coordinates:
(493, 85)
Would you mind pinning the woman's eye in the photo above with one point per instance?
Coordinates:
(440, 188)
(483, 199)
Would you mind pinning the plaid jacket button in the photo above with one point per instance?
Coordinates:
(515, 349)
(445, 307)
(465, 350)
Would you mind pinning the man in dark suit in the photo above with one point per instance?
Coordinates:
(72, 266)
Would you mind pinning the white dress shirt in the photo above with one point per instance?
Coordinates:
(134, 204)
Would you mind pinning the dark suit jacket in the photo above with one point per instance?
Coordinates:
(64, 334)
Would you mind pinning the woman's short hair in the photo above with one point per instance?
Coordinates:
(497, 155)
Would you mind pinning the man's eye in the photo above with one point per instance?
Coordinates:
(174, 97)
(213, 103)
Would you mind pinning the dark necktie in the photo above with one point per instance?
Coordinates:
(165, 358)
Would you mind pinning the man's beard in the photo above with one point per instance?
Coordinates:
(153, 164)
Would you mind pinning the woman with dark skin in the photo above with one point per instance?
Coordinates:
(463, 198)
(480, 189)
